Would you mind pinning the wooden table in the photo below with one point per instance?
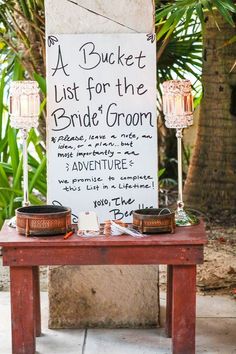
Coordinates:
(181, 252)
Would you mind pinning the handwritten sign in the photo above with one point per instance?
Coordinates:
(101, 123)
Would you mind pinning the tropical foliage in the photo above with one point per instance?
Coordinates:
(22, 34)
(11, 194)
(169, 15)
(179, 27)
(212, 163)
(21, 57)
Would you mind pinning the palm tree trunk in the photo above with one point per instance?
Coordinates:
(211, 180)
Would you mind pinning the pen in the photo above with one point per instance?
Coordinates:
(69, 234)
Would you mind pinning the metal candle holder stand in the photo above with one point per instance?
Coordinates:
(178, 111)
(24, 112)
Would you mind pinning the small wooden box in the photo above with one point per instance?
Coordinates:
(154, 221)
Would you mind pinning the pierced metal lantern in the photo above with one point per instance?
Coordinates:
(178, 112)
(24, 104)
(178, 104)
(24, 112)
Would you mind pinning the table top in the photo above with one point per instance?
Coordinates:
(191, 235)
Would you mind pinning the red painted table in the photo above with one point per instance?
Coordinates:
(181, 252)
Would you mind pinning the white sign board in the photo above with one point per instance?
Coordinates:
(101, 123)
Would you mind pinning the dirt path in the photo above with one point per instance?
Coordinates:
(218, 273)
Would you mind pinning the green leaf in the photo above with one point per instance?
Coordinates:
(4, 196)
(227, 4)
(43, 105)
(7, 168)
(33, 199)
(42, 82)
(13, 148)
(18, 199)
(37, 173)
(224, 12)
(161, 172)
(3, 177)
(200, 13)
(37, 143)
(3, 144)
(24, 7)
(16, 184)
(32, 161)
(171, 23)
(18, 71)
(2, 87)
(18, 174)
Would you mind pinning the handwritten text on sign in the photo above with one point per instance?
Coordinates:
(102, 144)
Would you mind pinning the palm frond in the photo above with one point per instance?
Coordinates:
(181, 55)
(170, 15)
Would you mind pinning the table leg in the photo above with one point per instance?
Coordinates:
(169, 288)
(22, 310)
(36, 290)
(184, 309)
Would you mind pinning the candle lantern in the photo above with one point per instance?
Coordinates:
(24, 112)
(178, 112)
